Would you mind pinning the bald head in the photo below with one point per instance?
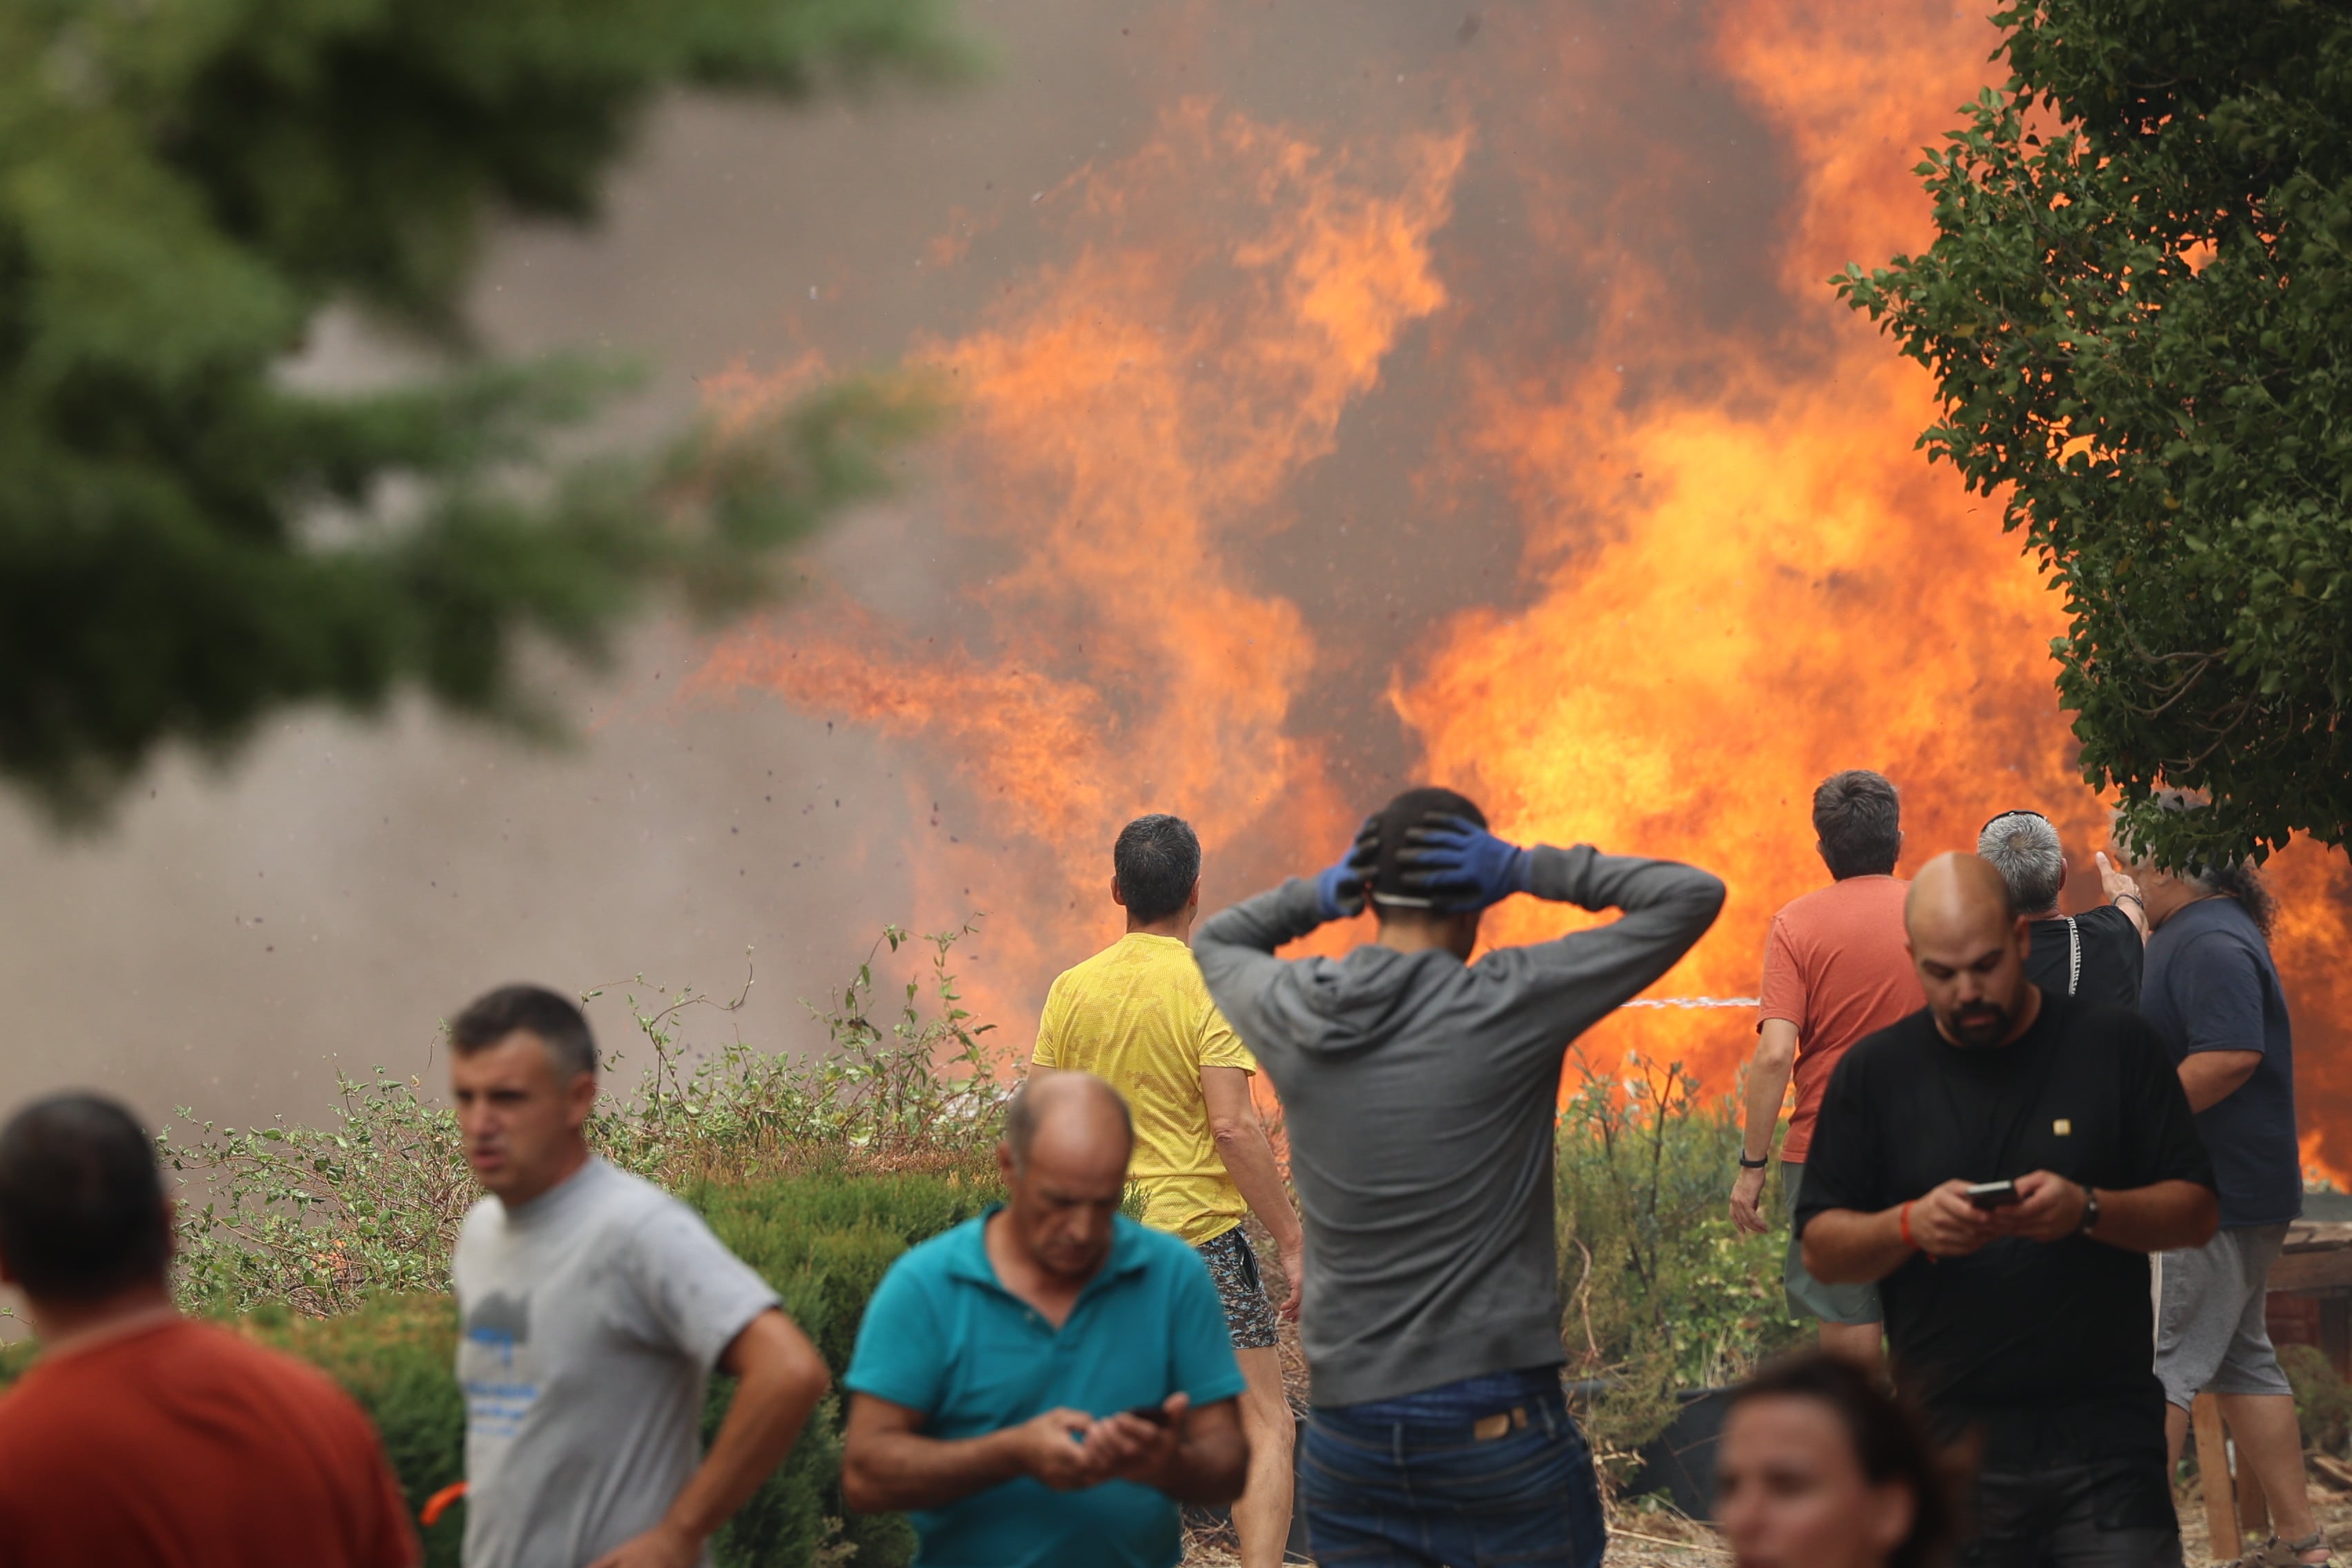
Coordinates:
(1064, 1160)
(1960, 889)
(1075, 1113)
(1969, 946)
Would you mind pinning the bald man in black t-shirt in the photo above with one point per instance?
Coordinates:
(2020, 1316)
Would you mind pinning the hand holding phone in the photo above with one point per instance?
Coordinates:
(1949, 1221)
(1992, 1195)
(1136, 1443)
(2049, 1207)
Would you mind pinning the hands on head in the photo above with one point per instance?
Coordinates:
(1450, 861)
(1341, 889)
(1070, 1450)
(1946, 1224)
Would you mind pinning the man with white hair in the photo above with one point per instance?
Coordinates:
(2095, 956)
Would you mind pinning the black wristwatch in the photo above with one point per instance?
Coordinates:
(2090, 1212)
(1747, 1164)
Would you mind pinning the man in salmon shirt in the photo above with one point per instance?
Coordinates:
(139, 1439)
(1835, 969)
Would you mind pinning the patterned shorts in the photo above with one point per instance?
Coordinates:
(1233, 1263)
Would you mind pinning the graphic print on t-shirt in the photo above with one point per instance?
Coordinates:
(500, 1377)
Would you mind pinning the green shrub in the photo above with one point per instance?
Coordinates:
(2323, 1402)
(394, 1356)
(320, 1219)
(823, 1241)
(1659, 1290)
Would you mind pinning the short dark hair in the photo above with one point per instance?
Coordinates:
(1400, 817)
(82, 1215)
(1155, 860)
(1858, 817)
(1890, 1443)
(555, 1018)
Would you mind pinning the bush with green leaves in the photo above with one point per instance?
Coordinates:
(1660, 1291)
(2322, 1401)
(2137, 308)
(318, 1219)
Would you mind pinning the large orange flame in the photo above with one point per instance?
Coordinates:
(1738, 575)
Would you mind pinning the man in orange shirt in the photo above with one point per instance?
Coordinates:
(1835, 968)
(140, 1439)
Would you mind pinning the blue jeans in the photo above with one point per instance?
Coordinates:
(1413, 1494)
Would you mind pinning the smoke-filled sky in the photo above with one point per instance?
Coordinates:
(1349, 394)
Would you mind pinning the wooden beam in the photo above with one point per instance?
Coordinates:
(2213, 1478)
(2328, 1269)
(2254, 1509)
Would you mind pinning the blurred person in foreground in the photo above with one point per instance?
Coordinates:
(2020, 1317)
(594, 1307)
(1820, 1466)
(1043, 1385)
(1834, 970)
(140, 1438)
(2212, 995)
(1421, 1093)
(1138, 1015)
(2096, 955)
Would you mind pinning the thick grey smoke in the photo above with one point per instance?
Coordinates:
(239, 936)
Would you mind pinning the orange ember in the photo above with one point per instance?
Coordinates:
(1734, 573)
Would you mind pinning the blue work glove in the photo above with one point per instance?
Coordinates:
(1339, 889)
(1457, 865)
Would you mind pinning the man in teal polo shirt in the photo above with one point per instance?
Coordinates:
(1043, 1385)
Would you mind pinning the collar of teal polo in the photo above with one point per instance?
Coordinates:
(970, 1259)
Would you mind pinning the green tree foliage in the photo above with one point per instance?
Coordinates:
(186, 540)
(2138, 310)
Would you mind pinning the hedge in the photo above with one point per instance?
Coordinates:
(823, 1240)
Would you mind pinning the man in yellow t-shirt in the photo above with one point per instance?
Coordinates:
(1138, 1015)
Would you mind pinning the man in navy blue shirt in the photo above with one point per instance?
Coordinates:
(2212, 995)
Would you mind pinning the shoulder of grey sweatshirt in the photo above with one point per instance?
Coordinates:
(1325, 1006)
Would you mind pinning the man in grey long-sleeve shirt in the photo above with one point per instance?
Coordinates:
(1420, 1092)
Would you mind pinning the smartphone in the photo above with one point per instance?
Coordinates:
(1151, 1413)
(1993, 1194)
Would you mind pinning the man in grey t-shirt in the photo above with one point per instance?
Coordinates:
(1421, 1093)
(593, 1307)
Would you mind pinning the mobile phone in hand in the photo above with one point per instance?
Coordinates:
(1151, 1413)
(1993, 1194)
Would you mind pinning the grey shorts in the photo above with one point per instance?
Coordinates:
(2209, 1332)
(1807, 1297)
(1233, 1263)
